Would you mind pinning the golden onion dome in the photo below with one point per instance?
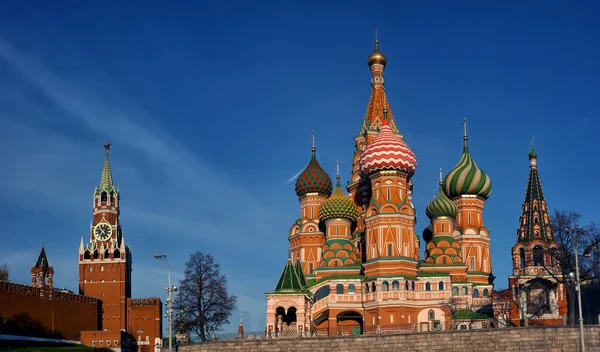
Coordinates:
(377, 56)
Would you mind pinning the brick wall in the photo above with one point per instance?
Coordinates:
(547, 339)
(64, 315)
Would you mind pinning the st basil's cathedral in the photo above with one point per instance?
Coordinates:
(354, 262)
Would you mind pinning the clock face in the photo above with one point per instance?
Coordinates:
(102, 231)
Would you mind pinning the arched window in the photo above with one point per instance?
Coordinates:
(112, 199)
(103, 197)
(373, 287)
(406, 285)
(465, 291)
(441, 286)
(427, 286)
(96, 254)
(431, 314)
(339, 289)
(351, 289)
(86, 255)
(367, 288)
(102, 268)
(522, 257)
(538, 256)
(322, 293)
(395, 285)
(486, 292)
(106, 253)
(413, 285)
(475, 293)
(454, 291)
(385, 286)
(117, 254)
(91, 269)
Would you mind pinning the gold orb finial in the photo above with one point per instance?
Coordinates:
(377, 56)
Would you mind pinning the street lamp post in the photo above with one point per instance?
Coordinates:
(571, 231)
(170, 289)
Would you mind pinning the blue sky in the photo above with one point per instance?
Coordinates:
(210, 109)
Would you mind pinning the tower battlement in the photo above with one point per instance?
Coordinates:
(140, 302)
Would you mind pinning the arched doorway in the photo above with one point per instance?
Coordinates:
(349, 323)
(286, 321)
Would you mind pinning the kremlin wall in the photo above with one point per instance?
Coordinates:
(59, 314)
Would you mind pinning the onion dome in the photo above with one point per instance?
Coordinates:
(313, 179)
(441, 205)
(377, 56)
(338, 205)
(388, 151)
(466, 178)
(428, 233)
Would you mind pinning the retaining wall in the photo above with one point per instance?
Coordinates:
(547, 339)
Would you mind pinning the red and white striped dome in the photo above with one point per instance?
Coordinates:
(388, 151)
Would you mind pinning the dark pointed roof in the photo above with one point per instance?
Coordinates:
(42, 261)
(535, 220)
(290, 280)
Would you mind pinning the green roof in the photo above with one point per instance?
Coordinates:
(289, 280)
(465, 314)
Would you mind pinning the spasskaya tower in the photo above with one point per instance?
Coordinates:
(105, 261)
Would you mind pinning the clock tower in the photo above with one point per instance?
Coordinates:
(105, 261)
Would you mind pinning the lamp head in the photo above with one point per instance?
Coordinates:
(571, 275)
(174, 289)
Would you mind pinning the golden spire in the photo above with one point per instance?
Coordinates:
(377, 56)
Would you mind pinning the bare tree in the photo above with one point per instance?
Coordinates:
(587, 238)
(3, 272)
(204, 304)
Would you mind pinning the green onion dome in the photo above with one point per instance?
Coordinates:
(532, 154)
(467, 178)
(313, 179)
(338, 206)
(441, 206)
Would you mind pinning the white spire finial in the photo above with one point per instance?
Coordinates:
(465, 131)
(314, 149)
(337, 169)
(532, 143)
(441, 178)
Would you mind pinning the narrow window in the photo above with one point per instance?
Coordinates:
(431, 314)
(475, 293)
(441, 286)
(103, 197)
(522, 257)
(389, 250)
(471, 264)
(428, 287)
(388, 195)
(351, 289)
(413, 285)
(469, 217)
(395, 285)
(454, 291)
(538, 256)
(339, 289)
(310, 267)
(406, 285)
(486, 292)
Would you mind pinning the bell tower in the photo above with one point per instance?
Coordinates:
(105, 261)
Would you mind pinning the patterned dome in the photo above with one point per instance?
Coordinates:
(338, 206)
(441, 206)
(388, 152)
(313, 179)
(467, 177)
(339, 251)
(443, 250)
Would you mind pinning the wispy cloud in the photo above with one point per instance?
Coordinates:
(174, 200)
(293, 178)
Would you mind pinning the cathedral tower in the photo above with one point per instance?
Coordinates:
(313, 187)
(469, 187)
(105, 261)
(536, 295)
(391, 245)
